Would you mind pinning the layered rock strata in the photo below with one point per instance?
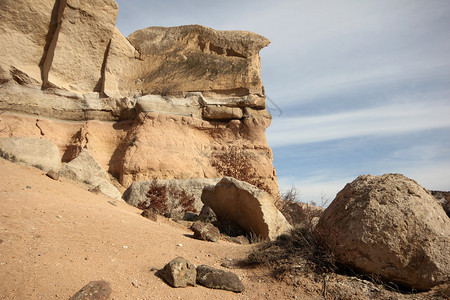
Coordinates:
(163, 103)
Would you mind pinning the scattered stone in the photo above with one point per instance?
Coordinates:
(94, 290)
(391, 227)
(249, 207)
(179, 273)
(28, 187)
(59, 216)
(205, 231)
(179, 245)
(149, 214)
(190, 216)
(53, 174)
(218, 279)
(207, 215)
(125, 247)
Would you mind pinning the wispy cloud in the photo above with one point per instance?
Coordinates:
(379, 121)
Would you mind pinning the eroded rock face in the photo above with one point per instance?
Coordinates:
(24, 38)
(198, 58)
(249, 207)
(391, 227)
(80, 45)
(181, 98)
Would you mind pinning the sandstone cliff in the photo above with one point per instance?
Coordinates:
(180, 102)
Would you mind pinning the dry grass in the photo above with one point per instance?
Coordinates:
(237, 164)
(297, 251)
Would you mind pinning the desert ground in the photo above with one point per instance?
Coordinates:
(57, 236)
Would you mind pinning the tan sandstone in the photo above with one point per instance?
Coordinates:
(249, 207)
(80, 45)
(24, 38)
(391, 227)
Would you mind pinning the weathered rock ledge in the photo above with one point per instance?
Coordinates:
(163, 103)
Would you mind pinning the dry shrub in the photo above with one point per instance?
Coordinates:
(237, 164)
(297, 251)
(165, 200)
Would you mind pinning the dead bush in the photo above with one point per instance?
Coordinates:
(297, 251)
(237, 164)
(165, 200)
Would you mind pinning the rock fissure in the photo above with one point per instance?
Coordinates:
(50, 52)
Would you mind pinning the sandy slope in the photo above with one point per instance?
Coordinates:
(56, 237)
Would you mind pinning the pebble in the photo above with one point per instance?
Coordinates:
(125, 247)
(28, 187)
(180, 245)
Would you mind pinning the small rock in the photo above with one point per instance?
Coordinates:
(53, 174)
(94, 290)
(125, 247)
(179, 273)
(190, 216)
(179, 245)
(149, 214)
(207, 214)
(205, 231)
(28, 187)
(218, 279)
(59, 216)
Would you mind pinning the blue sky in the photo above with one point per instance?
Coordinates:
(355, 87)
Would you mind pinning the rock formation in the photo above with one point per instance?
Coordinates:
(247, 206)
(163, 103)
(391, 227)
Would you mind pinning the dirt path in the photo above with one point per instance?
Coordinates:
(56, 236)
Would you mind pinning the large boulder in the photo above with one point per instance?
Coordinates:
(391, 227)
(36, 152)
(84, 168)
(137, 192)
(247, 206)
